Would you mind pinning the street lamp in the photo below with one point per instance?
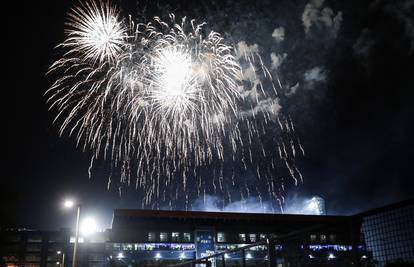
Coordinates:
(69, 204)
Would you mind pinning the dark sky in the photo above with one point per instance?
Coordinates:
(348, 86)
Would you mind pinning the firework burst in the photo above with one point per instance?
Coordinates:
(95, 31)
(164, 102)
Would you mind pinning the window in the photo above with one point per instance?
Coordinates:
(10, 258)
(52, 257)
(175, 236)
(127, 246)
(72, 239)
(242, 237)
(34, 247)
(262, 236)
(252, 238)
(221, 237)
(163, 236)
(96, 257)
(313, 238)
(323, 238)
(35, 238)
(55, 238)
(332, 238)
(32, 257)
(151, 237)
(13, 238)
(187, 237)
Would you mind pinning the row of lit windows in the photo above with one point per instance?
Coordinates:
(164, 237)
(151, 246)
(242, 237)
(222, 237)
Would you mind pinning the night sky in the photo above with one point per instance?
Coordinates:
(347, 72)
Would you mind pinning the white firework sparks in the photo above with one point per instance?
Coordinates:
(95, 30)
(163, 101)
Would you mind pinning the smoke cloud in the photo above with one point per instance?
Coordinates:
(268, 105)
(294, 205)
(292, 90)
(313, 76)
(279, 34)
(323, 18)
(277, 60)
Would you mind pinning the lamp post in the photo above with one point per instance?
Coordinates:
(75, 246)
(70, 204)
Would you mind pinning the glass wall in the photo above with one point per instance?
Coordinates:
(389, 235)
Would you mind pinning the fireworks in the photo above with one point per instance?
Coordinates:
(163, 102)
(95, 31)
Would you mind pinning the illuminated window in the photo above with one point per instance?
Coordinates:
(323, 238)
(151, 237)
(163, 236)
(242, 237)
(72, 239)
(221, 237)
(127, 247)
(187, 237)
(312, 238)
(175, 236)
(252, 238)
(262, 236)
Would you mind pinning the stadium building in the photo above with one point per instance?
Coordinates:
(161, 238)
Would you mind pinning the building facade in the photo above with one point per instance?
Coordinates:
(150, 238)
(33, 248)
(159, 238)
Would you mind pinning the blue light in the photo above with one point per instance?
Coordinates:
(319, 247)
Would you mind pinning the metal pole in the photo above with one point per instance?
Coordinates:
(223, 260)
(63, 259)
(75, 246)
(271, 257)
(243, 258)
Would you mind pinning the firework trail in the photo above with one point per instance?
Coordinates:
(164, 103)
